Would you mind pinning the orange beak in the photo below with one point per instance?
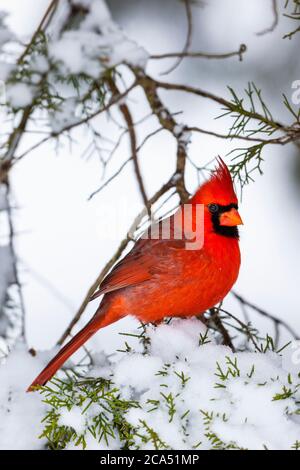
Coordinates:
(231, 218)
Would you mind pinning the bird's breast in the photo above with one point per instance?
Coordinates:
(186, 283)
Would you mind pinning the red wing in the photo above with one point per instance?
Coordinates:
(139, 265)
(133, 269)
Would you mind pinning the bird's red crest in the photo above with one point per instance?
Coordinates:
(219, 188)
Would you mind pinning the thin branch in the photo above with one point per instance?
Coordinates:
(70, 127)
(189, 18)
(123, 245)
(110, 179)
(217, 99)
(279, 140)
(97, 191)
(40, 27)
(167, 121)
(114, 100)
(13, 142)
(227, 341)
(133, 142)
(201, 55)
(245, 328)
(265, 314)
(271, 28)
(92, 289)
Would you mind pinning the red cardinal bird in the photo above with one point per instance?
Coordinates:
(166, 276)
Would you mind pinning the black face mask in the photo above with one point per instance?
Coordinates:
(216, 210)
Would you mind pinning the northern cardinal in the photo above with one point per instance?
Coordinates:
(163, 277)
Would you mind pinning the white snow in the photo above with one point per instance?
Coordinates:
(99, 13)
(73, 418)
(39, 64)
(169, 341)
(64, 116)
(20, 412)
(77, 52)
(178, 128)
(244, 412)
(189, 390)
(7, 277)
(182, 367)
(126, 371)
(97, 44)
(19, 95)
(6, 271)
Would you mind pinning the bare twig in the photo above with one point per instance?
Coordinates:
(72, 126)
(122, 246)
(215, 318)
(188, 12)
(93, 288)
(133, 142)
(271, 28)
(167, 121)
(120, 169)
(201, 55)
(245, 328)
(282, 140)
(12, 144)
(217, 99)
(40, 28)
(110, 179)
(264, 313)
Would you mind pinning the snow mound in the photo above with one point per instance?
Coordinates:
(98, 44)
(20, 412)
(184, 392)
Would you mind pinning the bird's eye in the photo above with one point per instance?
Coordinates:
(213, 208)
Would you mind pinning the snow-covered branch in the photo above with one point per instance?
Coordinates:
(174, 389)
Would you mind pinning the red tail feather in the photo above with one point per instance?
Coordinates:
(61, 357)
